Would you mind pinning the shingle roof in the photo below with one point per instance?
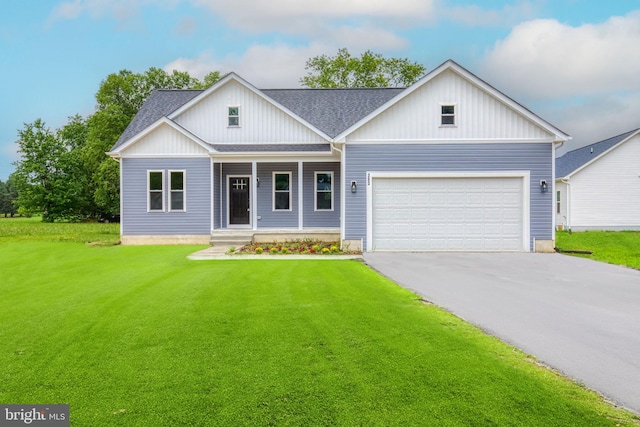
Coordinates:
(160, 103)
(329, 110)
(332, 110)
(573, 160)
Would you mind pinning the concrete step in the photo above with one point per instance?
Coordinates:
(231, 239)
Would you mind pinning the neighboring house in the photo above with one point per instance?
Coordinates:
(598, 186)
(449, 163)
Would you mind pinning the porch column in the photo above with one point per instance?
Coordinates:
(254, 195)
(300, 193)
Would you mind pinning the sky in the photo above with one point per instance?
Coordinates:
(575, 63)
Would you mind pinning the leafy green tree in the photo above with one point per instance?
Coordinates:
(8, 195)
(369, 70)
(39, 173)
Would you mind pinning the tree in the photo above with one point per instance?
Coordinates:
(39, 174)
(370, 70)
(119, 98)
(8, 195)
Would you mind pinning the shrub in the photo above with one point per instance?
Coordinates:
(334, 249)
(259, 250)
(325, 250)
(273, 250)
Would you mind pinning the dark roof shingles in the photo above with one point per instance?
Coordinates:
(332, 111)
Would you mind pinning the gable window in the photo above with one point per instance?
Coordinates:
(448, 115)
(324, 191)
(177, 191)
(557, 202)
(155, 181)
(234, 117)
(282, 191)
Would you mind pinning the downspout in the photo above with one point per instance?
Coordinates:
(568, 202)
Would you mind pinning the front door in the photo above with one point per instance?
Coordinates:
(239, 211)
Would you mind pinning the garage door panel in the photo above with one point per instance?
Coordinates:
(470, 213)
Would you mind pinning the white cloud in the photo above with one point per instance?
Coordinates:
(555, 60)
(264, 66)
(295, 16)
(474, 15)
(120, 10)
(596, 118)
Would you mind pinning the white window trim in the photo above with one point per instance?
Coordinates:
(273, 192)
(230, 116)
(454, 115)
(149, 172)
(315, 190)
(184, 190)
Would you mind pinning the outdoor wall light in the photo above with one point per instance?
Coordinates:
(354, 186)
(257, 182)
(543, 186)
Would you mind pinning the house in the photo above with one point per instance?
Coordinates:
(598, 186)
(449, 163)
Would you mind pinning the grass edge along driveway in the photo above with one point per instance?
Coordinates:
(142, 336)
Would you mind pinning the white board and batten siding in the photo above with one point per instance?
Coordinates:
(164, 140)
(479, 116)
(449, 212)
(606, 193)
(260, 121)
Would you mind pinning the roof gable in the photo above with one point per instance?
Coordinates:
(159, 104)
(453, 67)
(233, 79)
(166, 137)
(578, 159)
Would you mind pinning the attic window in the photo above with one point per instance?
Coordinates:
(448, 115)
(234, 116)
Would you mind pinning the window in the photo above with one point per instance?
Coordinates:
(557, 202)
(324, 191)
(448, 115)
(234, 116)
(282, 191)
(176, 192)
(155, 181)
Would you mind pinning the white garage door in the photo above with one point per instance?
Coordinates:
(448, 214)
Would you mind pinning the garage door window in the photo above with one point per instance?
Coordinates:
(324, 191)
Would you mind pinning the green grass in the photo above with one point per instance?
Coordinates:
(614, 247)
(142, 336)
(32, 229)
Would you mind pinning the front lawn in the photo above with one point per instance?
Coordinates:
(142, 336)
(614, 247)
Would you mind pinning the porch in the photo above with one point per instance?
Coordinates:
(240, 237)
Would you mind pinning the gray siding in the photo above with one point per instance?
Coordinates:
(321, 219)
(269, 217)
(536, 158)
(135, 218)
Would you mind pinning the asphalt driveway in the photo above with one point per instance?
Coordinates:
(578, 316)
